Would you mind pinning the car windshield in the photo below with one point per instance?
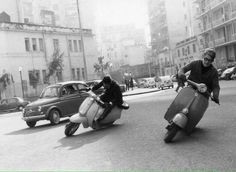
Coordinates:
(50, 92)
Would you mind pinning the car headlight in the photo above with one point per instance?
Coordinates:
(39, 108)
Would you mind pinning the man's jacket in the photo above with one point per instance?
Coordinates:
(113, 94)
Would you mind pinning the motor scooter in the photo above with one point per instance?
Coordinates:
(187, 109)
(89, 111)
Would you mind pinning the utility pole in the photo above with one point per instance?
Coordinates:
(82, 41)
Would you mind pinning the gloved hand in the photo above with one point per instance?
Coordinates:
(182, 77)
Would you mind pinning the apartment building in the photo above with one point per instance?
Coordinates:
(29, 48)
(166, 20)
(187, 50)
(218, 29)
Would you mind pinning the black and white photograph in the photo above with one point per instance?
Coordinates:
(118, 85)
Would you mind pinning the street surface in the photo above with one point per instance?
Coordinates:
(135, 142)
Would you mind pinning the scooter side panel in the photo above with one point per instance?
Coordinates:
(112, 116)
(181, 100)
(92, 112)
(196, 112)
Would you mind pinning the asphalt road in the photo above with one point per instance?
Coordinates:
(135, 142)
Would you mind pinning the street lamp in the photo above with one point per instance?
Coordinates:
(20, 70)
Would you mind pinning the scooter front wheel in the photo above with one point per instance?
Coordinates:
(71, 128)
(171, 133)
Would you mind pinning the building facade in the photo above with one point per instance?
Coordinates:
(187, 51)
(30, 48)
(166, 20)
(218, 29)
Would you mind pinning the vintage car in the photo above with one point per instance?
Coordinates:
(164, 82)
(13, 104)
(56, 101)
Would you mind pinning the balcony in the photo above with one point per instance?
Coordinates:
(209, 7)
(219, 21)
(220, 41)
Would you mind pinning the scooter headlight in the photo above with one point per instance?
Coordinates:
(202, 88)
(185, 110)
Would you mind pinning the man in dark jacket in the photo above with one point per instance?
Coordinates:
(112, 95)
(202, 71)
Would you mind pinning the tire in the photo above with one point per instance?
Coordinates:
(31, 124)
(171, 133)
(71, 128)
(54, 116)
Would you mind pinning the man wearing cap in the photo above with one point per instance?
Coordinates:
(112, 95)
(202, 71)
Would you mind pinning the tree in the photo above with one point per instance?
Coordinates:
(56, 64)
(100, 67)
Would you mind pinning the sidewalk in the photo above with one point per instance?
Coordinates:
(137, 91)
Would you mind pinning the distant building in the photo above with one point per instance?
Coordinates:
(122, 45)
(168, 26)
(218, 29)
(187, 51)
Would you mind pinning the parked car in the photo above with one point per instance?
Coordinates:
(226, 74)
(13, 104)
(147, 82)
(164, 82)
(56, 101)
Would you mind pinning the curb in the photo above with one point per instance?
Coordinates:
(132, 94)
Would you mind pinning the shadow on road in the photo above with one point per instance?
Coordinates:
(78, 140)
(197, 134)
(37, 128)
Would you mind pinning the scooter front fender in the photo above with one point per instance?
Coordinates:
(77, 118)
(180, 119)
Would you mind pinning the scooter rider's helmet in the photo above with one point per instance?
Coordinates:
(210, 52)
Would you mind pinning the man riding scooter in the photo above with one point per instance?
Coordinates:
(190, 104)
(202, 71)
(112, 96)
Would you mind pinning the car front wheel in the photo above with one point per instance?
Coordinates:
(54, 117)
(31, 124)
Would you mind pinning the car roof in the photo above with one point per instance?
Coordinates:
(67, 82)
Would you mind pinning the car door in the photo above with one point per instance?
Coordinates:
(68, 100)
(12, 103)
(3, 105)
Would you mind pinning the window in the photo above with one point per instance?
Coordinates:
(34, 44)
(41, 44)
(56, 44)
(83, 73)
(178, 53)
(34, 77)
(27, 44)
(75, 46)
(73, 73)
(80, 46)
(70, 46)
(188, 49)
(183, 51)
(59, 75)
(78, 73)
(194, 48)
(44, 76)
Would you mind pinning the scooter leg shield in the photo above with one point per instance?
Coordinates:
(77, 118)
(180, 119)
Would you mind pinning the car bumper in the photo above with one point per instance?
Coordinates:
(34, 118)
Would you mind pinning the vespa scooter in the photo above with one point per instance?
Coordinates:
(187, 109)
(90, 110)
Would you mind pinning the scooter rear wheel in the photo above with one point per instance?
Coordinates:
(171, 133)
(71, 128)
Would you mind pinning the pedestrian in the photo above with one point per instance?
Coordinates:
(131, 83)
(202, 71)
(127, 84)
